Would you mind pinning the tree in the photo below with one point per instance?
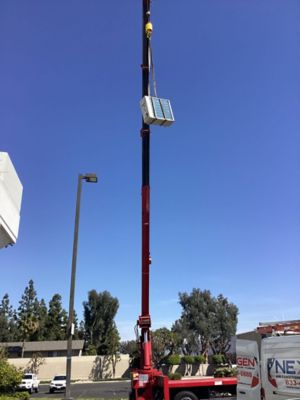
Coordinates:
(35, 362)
(224, 326)
(113, 347)
(56, 319)
(99, 312)
(77, 332)
(198, 316)
(164, 343)
(27, 329)
(41, 312)
(8, 328)
(206, 322)
(10, 377)
(188, 341)
(28, 321)
(27, 304)
(128, 347)
(131, 347)
(81, 331)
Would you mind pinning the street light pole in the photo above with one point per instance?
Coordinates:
(93, 179)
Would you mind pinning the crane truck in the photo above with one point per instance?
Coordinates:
(268, 362)
(147, 382)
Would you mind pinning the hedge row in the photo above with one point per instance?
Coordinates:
(176, 359)
(225, 372)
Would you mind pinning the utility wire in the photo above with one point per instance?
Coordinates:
(151, 63)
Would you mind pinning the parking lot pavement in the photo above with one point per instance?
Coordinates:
(111, 389)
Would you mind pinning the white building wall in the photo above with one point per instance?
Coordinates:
(11, 191)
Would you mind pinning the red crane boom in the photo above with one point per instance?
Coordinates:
(149, 383)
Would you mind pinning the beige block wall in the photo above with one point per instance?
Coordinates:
(91, 368)
(83, 368)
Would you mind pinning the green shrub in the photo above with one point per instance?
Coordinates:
(173, 359)
(218, 359)
(200, 359)
(10, 377)
(175, 376)
(188, 359)
(16, 395)
(221, 372)
(3, 352)
(91, 350)
(22, 395)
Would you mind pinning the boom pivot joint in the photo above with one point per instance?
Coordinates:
(144, 321)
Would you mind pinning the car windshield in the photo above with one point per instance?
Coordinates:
(27, 376)
(59, 378)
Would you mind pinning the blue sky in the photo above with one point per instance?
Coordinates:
(225, 192)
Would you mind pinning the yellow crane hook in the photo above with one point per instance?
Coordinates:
(148, 29)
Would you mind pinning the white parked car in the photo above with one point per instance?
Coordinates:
(30, 383)
(58, 383)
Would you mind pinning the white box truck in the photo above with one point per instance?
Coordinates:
(268, 362)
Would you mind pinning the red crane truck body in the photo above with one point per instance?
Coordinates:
(155, 385)
(147, 382)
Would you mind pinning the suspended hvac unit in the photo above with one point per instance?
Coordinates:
(156, 111)
(10, 201)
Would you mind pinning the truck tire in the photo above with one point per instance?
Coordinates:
(30, 390)
(36, 389)
(158, 394)
(131, 395)
(185, 395)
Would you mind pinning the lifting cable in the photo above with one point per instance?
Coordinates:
(148, 31)
(151, 64)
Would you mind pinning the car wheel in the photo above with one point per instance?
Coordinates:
(185, 395)
(36, 389)
(30, 390)
(51, 391)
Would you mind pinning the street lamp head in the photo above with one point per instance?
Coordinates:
(90, 178)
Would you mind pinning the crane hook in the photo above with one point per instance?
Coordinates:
(148, 29)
